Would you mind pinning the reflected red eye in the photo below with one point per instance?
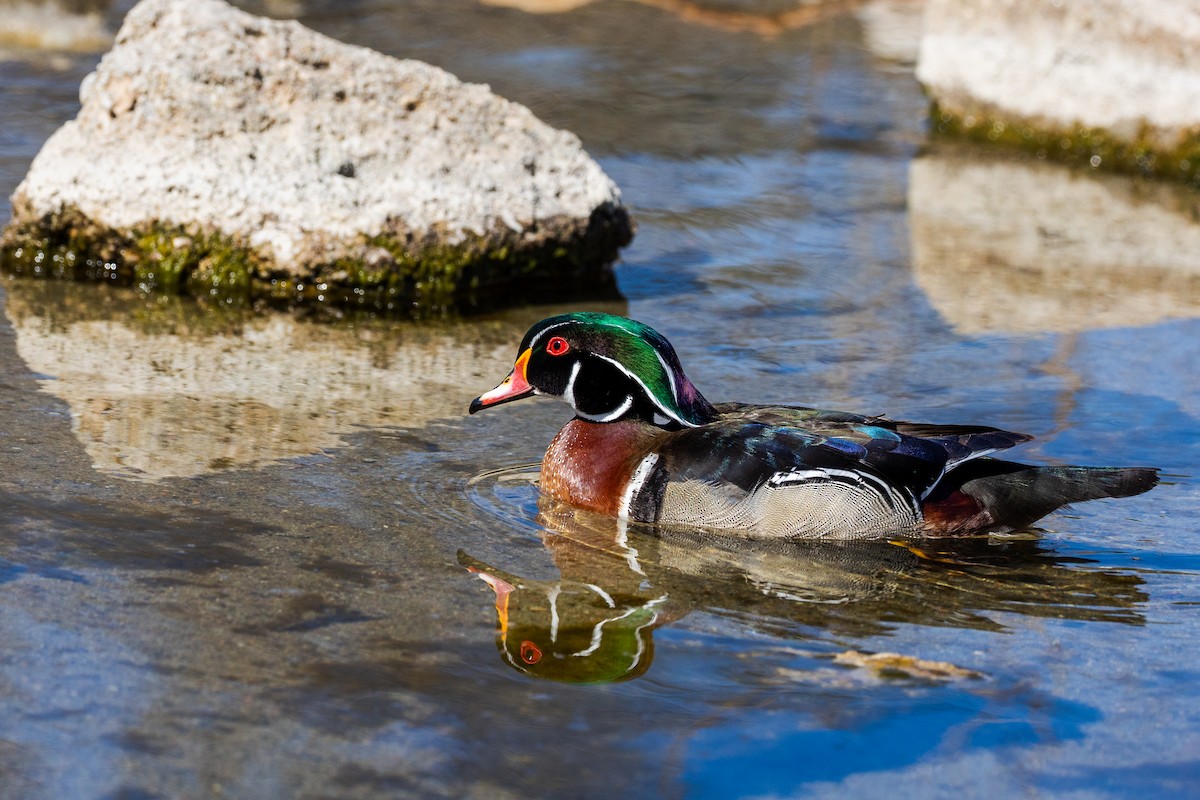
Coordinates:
(557, 346)
(530, 653)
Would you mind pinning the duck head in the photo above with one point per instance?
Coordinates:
(607, 368)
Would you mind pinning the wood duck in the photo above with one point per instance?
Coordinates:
(646, 446)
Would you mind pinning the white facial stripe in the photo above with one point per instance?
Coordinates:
(535, 339)
(668, 412)
(611, 416)
(569, 394)
(635, 484)
(670, 376)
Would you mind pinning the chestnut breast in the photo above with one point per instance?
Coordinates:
(589, 464)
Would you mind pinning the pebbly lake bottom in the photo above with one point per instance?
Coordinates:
(260, 557)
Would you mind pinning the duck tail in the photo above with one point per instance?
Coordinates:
(992, 496)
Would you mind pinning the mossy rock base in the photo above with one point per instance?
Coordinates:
(394, 276)
(1145, 154)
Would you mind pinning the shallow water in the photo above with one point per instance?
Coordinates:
(246, 557)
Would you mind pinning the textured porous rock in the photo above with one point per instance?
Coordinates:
(230, 155)
(1113, 83)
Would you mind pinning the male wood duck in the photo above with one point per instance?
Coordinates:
(646, 446)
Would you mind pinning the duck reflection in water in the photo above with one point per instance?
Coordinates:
(571, 631)
(618, 583)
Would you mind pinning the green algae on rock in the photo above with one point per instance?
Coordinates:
(392, 276)
(1110, 84)
(1143, 154)
(274, 164)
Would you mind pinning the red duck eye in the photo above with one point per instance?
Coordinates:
(530, 653)
(557, 346)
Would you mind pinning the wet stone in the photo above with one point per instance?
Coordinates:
(1108, 84)
(276, 164)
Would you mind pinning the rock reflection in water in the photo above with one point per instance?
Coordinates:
(158, 389)
(892, 28)
(1004, 245)
(27, 26)
(595, 623)
(769, 18)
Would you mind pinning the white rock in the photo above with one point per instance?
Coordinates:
(1128, 67)
(208, 118)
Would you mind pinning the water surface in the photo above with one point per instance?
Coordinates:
(260, 557)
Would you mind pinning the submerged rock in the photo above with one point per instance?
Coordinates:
(224, 154)
(1110, 83)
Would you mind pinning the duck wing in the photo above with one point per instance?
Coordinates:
(868, 469)
(958, 443)
(961, 442)
(796, 472)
